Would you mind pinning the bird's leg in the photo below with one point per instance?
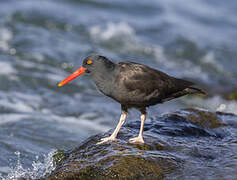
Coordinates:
(139, 138)
(113, 136)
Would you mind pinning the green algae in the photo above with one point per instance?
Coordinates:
(204, 118)
(232, 96)
(59, 156)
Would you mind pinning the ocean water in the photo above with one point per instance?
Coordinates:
(41, 42)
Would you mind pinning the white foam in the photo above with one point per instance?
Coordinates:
(9, 118)
(39, 57)
(51, 77)
(215, 103)
(43, 71)
(42, 67)
(112, 30)
(6, 68)
(180, 68)
(82, 123)
(18, 106)
(26, 97)
(20, 102)
(39, 169)
(209, 58)
(54, 77)
(5, 37)
(24, 106)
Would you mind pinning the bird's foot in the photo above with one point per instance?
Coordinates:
(137, 140)
(107, 139)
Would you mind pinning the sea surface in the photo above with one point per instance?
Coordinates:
(42, 42)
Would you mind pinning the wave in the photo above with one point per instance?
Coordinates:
(8, 71)
(215, 103)
(5, 36)
(112, 31)
(38, 170)
(16, 106)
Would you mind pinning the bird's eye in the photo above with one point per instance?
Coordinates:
(89, 61)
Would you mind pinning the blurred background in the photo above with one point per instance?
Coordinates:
(41, 42)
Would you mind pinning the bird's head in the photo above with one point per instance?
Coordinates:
(91, 64)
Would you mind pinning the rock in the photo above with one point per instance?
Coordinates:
(202, 118)
(59, 156)
(118, 160)
(164, 154)
(232, 96)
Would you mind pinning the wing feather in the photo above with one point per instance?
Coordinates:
(147, 85)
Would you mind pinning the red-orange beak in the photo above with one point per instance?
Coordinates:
(77, 73)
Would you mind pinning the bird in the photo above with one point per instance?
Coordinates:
(133, 85)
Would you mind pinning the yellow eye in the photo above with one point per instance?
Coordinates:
(89, 61)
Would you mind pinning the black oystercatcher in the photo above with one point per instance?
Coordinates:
(133, 85)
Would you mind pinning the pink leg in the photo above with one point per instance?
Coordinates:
(115, 133)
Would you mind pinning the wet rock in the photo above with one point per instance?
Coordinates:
(232, 96)
(168, 146)
(202, 118)
(59, 156)
(116, 160)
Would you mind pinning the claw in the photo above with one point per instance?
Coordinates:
(107, 139)
(137, 140)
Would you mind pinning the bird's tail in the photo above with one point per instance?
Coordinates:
(186, 91)
(193, 90)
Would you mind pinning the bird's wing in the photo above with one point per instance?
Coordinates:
(149, 82)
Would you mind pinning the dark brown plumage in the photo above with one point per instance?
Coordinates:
(133, 85)
(144, 86)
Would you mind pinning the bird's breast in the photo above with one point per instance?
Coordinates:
(104, 84)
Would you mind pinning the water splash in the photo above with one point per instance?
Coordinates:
(38, 170)
(113, 31)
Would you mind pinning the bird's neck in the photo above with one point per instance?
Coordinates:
(105, 78)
